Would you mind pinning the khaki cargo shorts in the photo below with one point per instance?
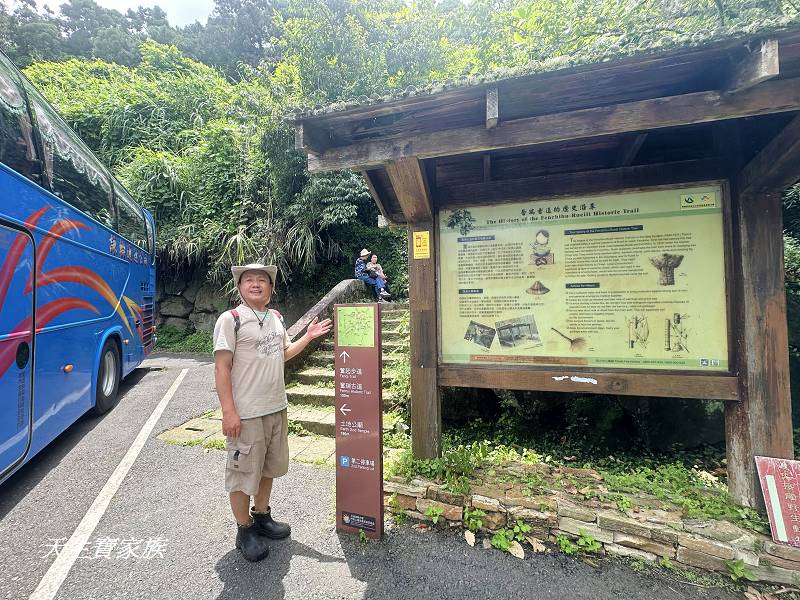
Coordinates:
(261, 450)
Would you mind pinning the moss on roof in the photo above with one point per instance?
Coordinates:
(650, 44)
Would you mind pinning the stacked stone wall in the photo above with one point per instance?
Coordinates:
(650, 534)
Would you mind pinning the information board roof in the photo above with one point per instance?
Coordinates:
(649, 44)
(662, 105)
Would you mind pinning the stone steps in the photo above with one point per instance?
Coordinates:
(316, 419)
(322, 419)
(388, 322)
(315, 395)
(323, 377)
(394, 335)
(313, 376)
(387, 345)
(394, 307)
(310, 395)
(325, 359)
(311, 392)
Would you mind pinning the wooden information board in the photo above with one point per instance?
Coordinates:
(633, 280)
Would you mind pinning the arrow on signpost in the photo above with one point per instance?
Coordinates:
(344, 410)
(344, 356)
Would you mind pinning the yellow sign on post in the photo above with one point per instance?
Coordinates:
(626, 280)
(422, 244)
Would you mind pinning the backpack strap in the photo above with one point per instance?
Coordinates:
(277, 314)
(237, 322)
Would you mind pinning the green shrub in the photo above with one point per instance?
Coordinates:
(171, 339)
(473, 518)
(502, 539)
(434, 513)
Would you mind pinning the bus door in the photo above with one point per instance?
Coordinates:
(16, 345)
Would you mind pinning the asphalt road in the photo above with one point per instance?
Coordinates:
(167, 531)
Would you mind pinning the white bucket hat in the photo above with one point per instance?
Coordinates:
(364, 253)
(270, 270)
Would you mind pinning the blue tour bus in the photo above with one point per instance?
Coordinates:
(77, 276)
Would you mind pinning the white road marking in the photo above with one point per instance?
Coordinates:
(58, 571)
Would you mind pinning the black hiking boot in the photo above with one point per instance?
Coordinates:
(252, 546)
(267, 527)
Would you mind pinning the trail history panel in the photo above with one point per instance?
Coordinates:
(359, 420)
(630, 280)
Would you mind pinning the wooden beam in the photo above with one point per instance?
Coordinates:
(576, 184)
(430, 173)
(777, 166)
(411, 187)
(760, 65)
(702, 386)
(761, 423)
(629, 149)
(492, 108)
(376, 197)
(487, 168)
(700, 107)
(309, 138)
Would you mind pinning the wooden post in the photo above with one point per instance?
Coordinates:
(410, 184)
(426, 408)
(761, 422)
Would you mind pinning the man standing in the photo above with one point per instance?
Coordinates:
(250, 347)
(375, 285)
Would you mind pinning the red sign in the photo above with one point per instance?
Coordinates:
(781, 486)
(359, 419)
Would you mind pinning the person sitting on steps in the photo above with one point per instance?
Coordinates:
(375, 269)
(375, 285)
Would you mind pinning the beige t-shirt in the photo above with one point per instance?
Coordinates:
(257, 374)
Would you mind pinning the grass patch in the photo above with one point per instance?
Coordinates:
(320, 462)
(212, 444)
(688, 489)
(297, 429)
(394, 439)
(676, 572)
(398, 372)
(460, 461)
(171, 339)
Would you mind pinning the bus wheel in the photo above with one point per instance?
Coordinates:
(107, 382)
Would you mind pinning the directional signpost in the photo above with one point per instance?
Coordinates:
(359, 420)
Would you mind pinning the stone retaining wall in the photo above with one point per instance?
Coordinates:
(189, 301)
(649, 534)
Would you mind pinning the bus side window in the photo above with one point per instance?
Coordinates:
(70, 169)
(17, 148)
(131, 219)
(151, 239)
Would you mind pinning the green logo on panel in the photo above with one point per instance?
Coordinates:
(700, 200)
(355, 326)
